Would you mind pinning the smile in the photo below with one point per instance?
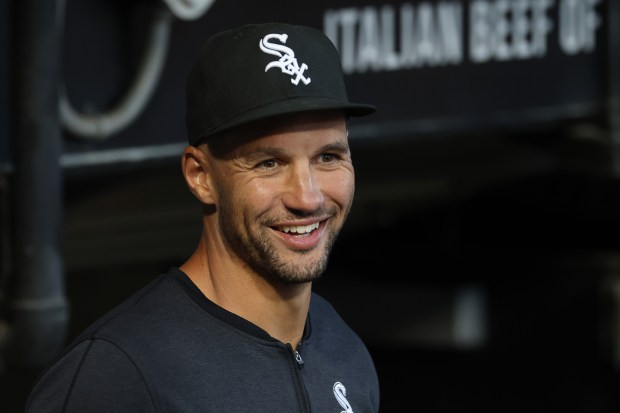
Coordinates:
(299, 229)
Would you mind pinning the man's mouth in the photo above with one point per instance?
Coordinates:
(298, 229)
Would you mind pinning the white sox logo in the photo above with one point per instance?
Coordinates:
(287, 61)
(341, 395)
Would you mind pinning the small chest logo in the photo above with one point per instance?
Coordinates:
(340, 392)
(287, 61)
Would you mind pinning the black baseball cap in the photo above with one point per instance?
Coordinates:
(263, 70)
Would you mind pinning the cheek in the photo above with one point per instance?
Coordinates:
(258, 194)
(340, 187)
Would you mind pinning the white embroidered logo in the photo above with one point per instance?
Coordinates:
(341, 395)
(287, 61)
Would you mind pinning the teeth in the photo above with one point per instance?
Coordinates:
(301, 229)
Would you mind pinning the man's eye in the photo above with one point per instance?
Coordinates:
(267, 164)
(328, 158)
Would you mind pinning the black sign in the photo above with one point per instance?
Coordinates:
(429, 66)
(452, 64)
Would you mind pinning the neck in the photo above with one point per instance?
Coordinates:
(278, 308)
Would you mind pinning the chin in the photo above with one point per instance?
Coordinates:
(299, 274)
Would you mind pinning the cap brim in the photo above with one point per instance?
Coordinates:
(290, 106)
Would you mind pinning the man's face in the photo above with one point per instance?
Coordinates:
(283, 192)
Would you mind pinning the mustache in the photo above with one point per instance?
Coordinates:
(293, 215)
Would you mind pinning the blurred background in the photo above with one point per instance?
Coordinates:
(481, 261)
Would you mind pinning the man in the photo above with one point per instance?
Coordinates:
(236, 328)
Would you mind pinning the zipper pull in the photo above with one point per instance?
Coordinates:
(300, 361)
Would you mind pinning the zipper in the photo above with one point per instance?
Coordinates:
(298, 359)
(299, 380)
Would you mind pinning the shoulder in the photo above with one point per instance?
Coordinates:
(118, 351)
(145, 312)
(327, 324)
(93, 376)
(323, 315)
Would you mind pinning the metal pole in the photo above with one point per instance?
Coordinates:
(614, 83)
(38, 309)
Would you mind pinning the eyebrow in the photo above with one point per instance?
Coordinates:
(264, 152)
(341, 147)
(276, 151)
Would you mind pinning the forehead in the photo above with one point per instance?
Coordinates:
(321, 127)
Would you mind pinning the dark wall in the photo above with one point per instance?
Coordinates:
(522, 213)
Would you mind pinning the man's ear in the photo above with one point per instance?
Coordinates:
(195, 166)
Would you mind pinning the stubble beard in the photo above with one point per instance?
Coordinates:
(261, 255)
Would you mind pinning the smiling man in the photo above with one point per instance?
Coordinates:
(237, 328)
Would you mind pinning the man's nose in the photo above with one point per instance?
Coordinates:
(303, 191)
